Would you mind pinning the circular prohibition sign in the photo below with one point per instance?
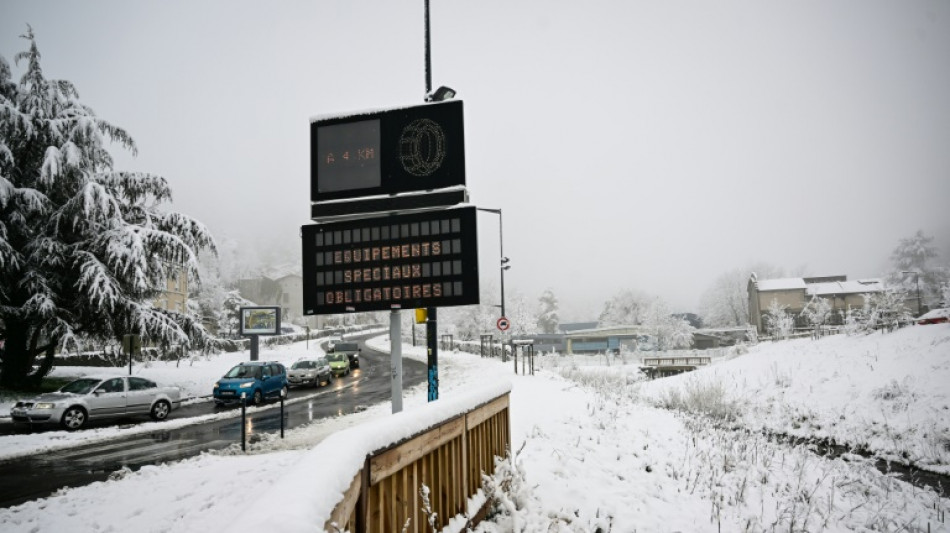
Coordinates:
(503, 323)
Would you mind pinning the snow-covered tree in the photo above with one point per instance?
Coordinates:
(208, 299)
(726, 302)
(523, 319)
(548, 319)
(855, 320)
(887, 309)
(83, 248)
(914, 269)
(817, 312)
(778, 322)
(471, 321)
(672, 331)
(230, 320)
(626, 308)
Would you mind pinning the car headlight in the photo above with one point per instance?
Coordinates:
(217, 384)
(247, 385)
(45, 405)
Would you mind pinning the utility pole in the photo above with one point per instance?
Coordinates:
(503, 263)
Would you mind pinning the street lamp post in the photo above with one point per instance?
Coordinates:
(503, 265)
(916, 282)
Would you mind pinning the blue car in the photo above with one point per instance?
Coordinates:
(256, 380)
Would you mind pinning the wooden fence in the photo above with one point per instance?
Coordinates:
(448, 458)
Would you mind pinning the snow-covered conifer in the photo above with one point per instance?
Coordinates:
(914, 271)
(548, 319)
(83, 248)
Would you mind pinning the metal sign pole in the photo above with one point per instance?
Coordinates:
(254, 347)
(433, 361)
(395, 358)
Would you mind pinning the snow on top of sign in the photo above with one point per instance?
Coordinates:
(781, 284)
(367, 112)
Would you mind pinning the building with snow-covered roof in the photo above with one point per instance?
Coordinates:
(795, 293)
(282, 287)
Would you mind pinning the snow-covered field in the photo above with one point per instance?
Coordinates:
(595, 449)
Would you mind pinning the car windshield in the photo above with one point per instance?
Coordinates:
(337, 357)
(345, 347)
(244, 371)
(81, 386)
(304, 365)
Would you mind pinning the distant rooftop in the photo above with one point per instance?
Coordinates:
(781, 284)
(821, 286)
(860, 286)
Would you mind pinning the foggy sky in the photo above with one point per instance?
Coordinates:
(630, 145)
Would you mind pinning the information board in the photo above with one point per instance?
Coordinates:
(416, 148)
(407, 261)
(260, 320)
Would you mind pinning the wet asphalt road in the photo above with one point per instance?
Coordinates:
(28, 478)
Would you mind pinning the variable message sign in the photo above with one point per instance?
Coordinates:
(388, 152)
(427, 259)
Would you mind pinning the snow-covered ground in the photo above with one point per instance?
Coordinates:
(593, 448)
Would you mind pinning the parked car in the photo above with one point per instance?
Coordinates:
(313, 372)
(98, 397)
(256, 380)
(339, 363)
(352, 351)
(935, 316)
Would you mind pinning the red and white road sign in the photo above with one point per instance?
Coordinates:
(503, 323)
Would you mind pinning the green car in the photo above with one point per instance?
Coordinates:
(339, 363)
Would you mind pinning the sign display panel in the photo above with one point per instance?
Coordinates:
(387, 152)
(406, 261)
(350, 156)
(260, 320)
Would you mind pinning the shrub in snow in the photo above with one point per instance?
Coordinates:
(817, 312)
(778, 322)
(887, 309)
(708, 399)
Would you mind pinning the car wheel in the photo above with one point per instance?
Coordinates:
(74, 418)
(160, 410)
(258, 397)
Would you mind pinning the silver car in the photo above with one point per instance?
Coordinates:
(311, 372)
(96, 398)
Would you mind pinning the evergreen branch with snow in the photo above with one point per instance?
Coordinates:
(84, 249)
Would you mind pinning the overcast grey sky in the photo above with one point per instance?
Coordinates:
(642, 145)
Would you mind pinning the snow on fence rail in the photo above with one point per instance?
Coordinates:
(449, 459)
(370, 476)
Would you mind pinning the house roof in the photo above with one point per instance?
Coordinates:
(781, 284)
(575, 326)
(860, 286)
